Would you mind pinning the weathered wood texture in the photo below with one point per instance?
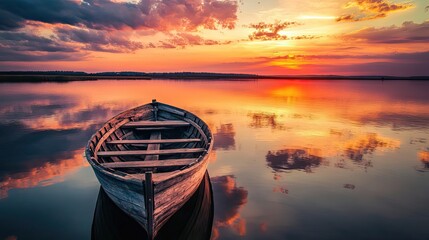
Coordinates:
(193, 221)
(171, 194)
(153, 128)
(171, 109)
(150, 152)
(149, 197)
(151, 164)
(187, 137)
(160, 141)
(175, 123)
(126, 195)
(107, 134)
(153, 147)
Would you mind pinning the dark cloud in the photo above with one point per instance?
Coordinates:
(399, 57)
(20, 46)
(96, 25)
(8, 55)
(9, 21)
(409, 32)
(19, 41)
(225, 137)
(371, 9)
(98, 40)
(270, 31)
(105, 14)
(292, 159)
(392, 67)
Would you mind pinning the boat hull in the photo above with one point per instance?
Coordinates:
(150, 197)
(192, 221)
(169, 194)
(127, 196)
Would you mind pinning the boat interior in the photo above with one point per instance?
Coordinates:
(155, 137)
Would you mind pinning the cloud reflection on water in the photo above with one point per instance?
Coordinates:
(228, 199)
(264, 120)
(424, 158)
(293, 159)
(46, 135)
(224, 137)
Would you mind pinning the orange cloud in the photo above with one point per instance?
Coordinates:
(270, 31)
(182, 40)
(371, 9)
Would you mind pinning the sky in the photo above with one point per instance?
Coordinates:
(289, 37)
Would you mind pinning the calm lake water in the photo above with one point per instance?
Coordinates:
(292, 159)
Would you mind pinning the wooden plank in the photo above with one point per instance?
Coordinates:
(203, 134)
(175, 123)
(107, 134)
(160, 141)
(170, 109)
(170, 195)
(152, 152)
(114, 147)
(153, 129)
(153, 147)
(149, 204)
(149, 164)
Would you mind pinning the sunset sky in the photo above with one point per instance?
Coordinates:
(347, 37)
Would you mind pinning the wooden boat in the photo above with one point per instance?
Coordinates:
(150, 160)
(194, 220)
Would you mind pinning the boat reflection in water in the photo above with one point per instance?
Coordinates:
(193, 221)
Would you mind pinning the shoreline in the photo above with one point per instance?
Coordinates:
(25, 77)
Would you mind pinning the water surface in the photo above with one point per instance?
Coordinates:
(292, 159)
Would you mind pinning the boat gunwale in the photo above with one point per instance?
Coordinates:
(137, 179)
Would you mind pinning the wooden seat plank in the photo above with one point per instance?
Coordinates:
(160, 141)
(153, 147)
(151, 164)
(153, 128)
(172, 123)
(149, 152)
